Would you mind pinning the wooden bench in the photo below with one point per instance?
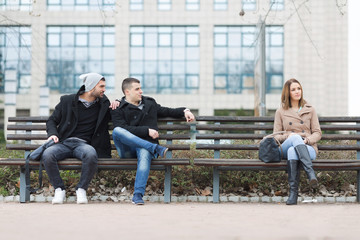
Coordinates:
(30, 130)
(219, 133)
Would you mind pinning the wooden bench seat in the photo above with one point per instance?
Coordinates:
(29, 132)
(244, 133)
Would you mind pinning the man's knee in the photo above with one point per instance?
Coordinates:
(48, 156)
(87, 153)
(119, 131)
(144, 159)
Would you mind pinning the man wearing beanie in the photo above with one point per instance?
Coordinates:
(135, 131)
(79, 128)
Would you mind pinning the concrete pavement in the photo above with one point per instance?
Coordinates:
(234, 221)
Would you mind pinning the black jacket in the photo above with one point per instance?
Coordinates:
(63, 121)
(138, 122)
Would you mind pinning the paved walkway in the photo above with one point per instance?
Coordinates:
(236, 221)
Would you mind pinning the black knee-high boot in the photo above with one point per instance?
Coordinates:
(305, 159)
(293, 178)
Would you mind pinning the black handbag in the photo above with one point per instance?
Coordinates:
(269, 149)
(35, 156)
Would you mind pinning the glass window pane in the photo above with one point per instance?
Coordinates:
(192, 39)
(164, 39)
(164, 54)
(178, 67)
(15, 53)
(67, 39)
(220, 39)
(178, 39)
(151, 53)
(137, 40)
(81, 39)
(109, 39)
(234, 39)
(151, 39)
(82, 50)
(178, 53)
(234, 57)
(136, 53)
(95, 39)
(151, 67)
(192, 81)
(170, 53)
(80, 5)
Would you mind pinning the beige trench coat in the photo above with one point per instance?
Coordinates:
(305, 123)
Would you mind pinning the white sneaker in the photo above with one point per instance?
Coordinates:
(59, 196)
(81, 196)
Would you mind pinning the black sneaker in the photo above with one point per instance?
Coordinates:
(137, 199)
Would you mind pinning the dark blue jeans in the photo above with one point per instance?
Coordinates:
(129, 145)
(70, 148)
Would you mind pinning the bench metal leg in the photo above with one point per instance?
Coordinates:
(216, 184)
(24, 193)
(167, 184)
(358, 187)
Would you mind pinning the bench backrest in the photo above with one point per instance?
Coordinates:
(221, 132)
(28, 133)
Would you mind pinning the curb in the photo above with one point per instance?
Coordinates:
(201, 199)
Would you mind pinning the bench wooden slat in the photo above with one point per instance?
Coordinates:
(252, 127)
(27, 127)
(258, 163)
(29, 147)
(256, 147)
(101, 162)
(44, 136)
(269, 119)
(26, 136)
(249, 136)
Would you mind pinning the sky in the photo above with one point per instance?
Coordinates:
(354, 57)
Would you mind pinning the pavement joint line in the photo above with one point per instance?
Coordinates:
(191, 198)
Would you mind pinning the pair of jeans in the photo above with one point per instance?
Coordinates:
(129, 145)
(288, 147)
(70, 148)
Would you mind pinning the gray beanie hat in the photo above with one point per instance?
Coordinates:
(90, 80)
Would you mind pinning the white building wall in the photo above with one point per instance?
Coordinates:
(321, 70)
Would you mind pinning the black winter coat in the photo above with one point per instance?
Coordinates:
(63, 122)
(138, 122)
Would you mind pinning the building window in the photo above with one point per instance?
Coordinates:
(15, 54)
(16, 5)
(192, 4)
(277, 5)
(80, 5)
(165, 59)
(164, 5)
(220, 4)
(136, 5)
(74, 50)
(274, 57)
(249, 5)
(234, 52)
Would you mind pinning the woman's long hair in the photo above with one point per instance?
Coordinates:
(285, 95)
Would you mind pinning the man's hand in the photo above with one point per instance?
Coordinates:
(153, 133)
(54, 138)
(114, 104)
(189, 116)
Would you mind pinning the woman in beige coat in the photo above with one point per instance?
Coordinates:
(299, 119)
